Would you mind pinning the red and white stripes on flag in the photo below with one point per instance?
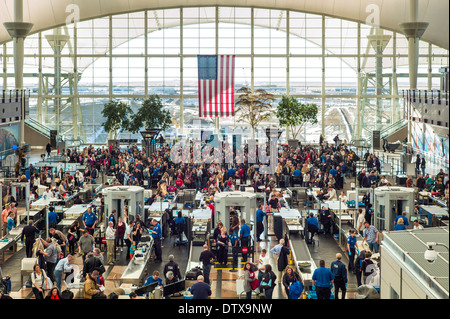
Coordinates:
(216, 85)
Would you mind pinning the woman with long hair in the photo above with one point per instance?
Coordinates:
(39, 281)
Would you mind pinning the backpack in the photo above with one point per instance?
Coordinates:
(295, 289)
(67, 294)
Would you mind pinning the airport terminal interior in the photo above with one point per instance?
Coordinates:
(224, 149)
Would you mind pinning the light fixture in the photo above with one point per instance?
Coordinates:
(430, 254)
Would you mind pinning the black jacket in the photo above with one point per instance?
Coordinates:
(29, 232)
(283, 258)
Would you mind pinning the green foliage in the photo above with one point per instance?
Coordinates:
(117, 117)
(253, 107)
(294, 115)
(150, 115)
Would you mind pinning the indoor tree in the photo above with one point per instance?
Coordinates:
(117, 115)
(151, 114)
(294, 115)
(253, 107)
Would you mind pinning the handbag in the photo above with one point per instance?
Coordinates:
(265, 284)
(254, 283)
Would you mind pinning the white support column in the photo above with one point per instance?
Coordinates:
(18, 30)
(110, 60)
(217, 130)
(323, 77)
(75, 82)
(40, 115)
(5, 68)
(181, 74)
(146, 54)
(358, 101)
(413, 31)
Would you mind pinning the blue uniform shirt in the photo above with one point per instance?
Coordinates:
(405, 220)
(157, 229)
(297, 172)
(179, 220)
(53, 217)
(245, 230)
(351, 240)
(312, 221)
(260, 214)
(338, 269)
(323, 277)
(89, 219)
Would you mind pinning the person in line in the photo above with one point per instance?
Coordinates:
(352, 245)
(173, 267)
(39, 282)
(110, 242)
(156, 235)
(322, 281)
(53, 294)
(223, 243)
(360, 222)
(260, 215)
(244, 238)
(86, 244)
(268, 281)
(63, 266)
(249, 277)
(207, 259)
(371, 236)
(262, 261)
(312, 225)
(339, 271)
(289, 277)
(366, 269)
(91, 288)
(50, 254)
(201, 290)
(399, 225)
(29, 232)
(89, 220)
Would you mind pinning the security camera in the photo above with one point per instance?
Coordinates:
(430, 254)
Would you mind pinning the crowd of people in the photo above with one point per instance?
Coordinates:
(326, 167)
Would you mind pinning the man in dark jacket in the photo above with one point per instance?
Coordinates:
(201, 290)
(29, 232)
(340, 276)
(173, 267)
(90, 264)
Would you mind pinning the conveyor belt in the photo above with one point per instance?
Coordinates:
(301, 253)
(300, 248)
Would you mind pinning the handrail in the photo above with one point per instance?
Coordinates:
(38, 126)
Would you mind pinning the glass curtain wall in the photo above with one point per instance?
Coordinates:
(334, 63)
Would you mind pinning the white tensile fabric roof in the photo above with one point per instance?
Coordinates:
(47, 14)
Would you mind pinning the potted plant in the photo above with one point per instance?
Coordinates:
(117, 118)
(253, 107)
(294, 115)
(152, 117)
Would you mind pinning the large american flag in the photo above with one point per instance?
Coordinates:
(216, 85)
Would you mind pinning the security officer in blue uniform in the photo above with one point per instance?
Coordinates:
(322, 281)
(260, 214)
(52, 217)
(89, 220)
(312, 226)
(352, 245)
(244, 237)
(340, 276)
(179, 224)
(156, 235)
